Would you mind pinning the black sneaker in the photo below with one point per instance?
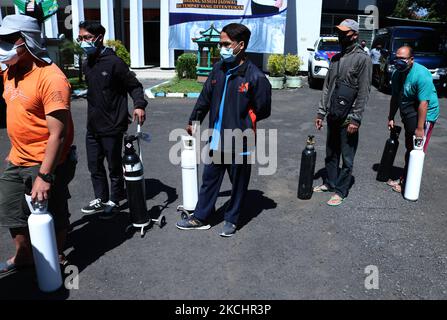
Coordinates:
(228, 230)
(192, 224)
(110, 211)
(94, 206)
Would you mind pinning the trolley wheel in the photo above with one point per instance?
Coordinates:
(128, 228)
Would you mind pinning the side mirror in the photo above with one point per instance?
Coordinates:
(311, 49)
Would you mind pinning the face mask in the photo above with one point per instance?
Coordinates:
(89, 47)
(228, 55)
(345, 40)
(401, 65)
(9, 54)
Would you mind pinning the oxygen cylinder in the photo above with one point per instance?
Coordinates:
(135, 183)
(415, 170)
(307, 170)
(43, 241)
(389, 155)
(189, 173)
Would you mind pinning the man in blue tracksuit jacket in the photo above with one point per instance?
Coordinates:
(236, 95)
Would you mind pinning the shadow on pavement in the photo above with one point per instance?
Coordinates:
(96, 237)
(396, 172)
(22, 285)
(255, 203)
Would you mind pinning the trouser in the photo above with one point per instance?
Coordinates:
(109, 147)
(213, 175)
(376, 71)
(262, 9)
(410, 126)
(340, 144)
(16, 180)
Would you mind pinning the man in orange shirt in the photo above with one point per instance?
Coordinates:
(40, 129)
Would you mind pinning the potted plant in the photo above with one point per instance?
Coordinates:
(293, 66)
(276, 68)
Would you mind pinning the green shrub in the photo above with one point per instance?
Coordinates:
(276, 65)
(120, 50)
(186, 66)
(293, 64)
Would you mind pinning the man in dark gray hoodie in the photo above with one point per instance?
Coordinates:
(345, 95)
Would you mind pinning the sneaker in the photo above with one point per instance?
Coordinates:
(110, 210)
(94, 206)
(228, 230)
(192, 224)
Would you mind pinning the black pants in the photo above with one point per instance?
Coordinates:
(110, 147)
(213, 175)
(340, 144)
(261, 9)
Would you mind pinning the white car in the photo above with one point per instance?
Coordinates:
(319, 58)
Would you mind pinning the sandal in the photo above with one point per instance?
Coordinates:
(393, 183)
(7, 267)
(335, 201)
(321, 189)
(397, 188)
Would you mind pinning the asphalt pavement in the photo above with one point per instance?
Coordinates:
(286, 248)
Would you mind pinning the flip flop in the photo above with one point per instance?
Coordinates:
(335, 201)
(7, 268)
(321, 189)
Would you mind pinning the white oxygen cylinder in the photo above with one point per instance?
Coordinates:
(43, 241)
(415, 170)
(189, 173)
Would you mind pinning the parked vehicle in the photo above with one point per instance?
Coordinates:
(428, 49)
(320, 57)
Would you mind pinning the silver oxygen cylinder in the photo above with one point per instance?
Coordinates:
(189, 173)
(415, 170)
(43, 241)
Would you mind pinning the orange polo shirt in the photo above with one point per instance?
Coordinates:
(42, 91)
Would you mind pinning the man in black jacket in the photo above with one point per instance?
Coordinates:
(236, 95)
(109, 81)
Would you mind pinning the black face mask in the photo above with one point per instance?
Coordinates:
(345, 40)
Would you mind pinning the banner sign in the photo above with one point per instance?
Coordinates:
(266, 19)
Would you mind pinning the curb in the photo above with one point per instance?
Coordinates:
(151, 95)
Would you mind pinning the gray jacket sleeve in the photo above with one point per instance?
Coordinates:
(322, 107)
(364, 82)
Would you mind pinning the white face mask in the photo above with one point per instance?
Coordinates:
(228, 55)
(8, 53)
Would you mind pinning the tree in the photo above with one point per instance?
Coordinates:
(426, 10)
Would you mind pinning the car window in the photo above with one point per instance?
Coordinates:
(329, 45)
(425, 44)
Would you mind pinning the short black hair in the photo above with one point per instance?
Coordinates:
(94, 28)
(238, 32)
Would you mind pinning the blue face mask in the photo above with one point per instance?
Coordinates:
(227, 54)
(89, 47)
(401, 65)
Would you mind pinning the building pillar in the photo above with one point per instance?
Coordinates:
(77, 12)
(308, 26)
(166, 55)
(51, 28)
(107, 19)
(136, 34)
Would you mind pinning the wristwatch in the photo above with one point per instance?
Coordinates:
(48, 178)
